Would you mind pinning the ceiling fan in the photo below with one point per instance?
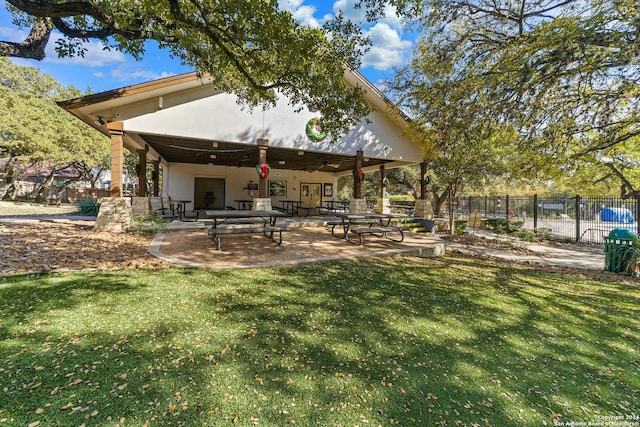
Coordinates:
(326, 164)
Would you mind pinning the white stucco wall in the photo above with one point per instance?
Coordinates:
(179, 182)
(217, 116)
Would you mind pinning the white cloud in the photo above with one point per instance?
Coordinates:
(389, 16)
(350, 12)
(12, 34)
(304, 15)
(126, 75)
(290, 5)
(387, 48)
(94, 56)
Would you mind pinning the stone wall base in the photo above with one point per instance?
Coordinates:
(423, 209)
(383, 206)
(140, 206)
(358, 206)
(262, 204)
(115, 215)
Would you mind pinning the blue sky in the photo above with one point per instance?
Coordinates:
(102, 70)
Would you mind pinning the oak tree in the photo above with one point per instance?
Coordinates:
(34, 129)
(563, 73)
(251, 48)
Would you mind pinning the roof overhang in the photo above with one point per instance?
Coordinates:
(121, 104)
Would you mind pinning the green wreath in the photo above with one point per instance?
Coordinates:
(314, 130)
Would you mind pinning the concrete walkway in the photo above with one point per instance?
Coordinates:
(573, 256)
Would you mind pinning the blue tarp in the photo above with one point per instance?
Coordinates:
(623, 215)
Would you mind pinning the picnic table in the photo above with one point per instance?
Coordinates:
(377, 224)
(228, 222)
(244, 204)
(290, 206)
(178, 209)
(336, 205)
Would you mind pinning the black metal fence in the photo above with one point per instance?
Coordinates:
(587, 219)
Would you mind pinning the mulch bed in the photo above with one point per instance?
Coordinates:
(51, 246)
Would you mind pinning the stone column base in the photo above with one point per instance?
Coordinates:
(140, 206)
(423, 209)
(383, 206)
(358, 206)
(262, 204)
(115, 215)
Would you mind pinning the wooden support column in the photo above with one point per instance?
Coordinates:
(142, 172)
(116, 130)
(263, 145)
(357, 182)
(156, 178)
(383, 185)
(382, 204)
(423, 181)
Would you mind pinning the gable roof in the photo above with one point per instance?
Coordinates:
(167, 118)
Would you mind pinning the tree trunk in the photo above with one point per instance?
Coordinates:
(38, 192)
(10, 192)
(439, 199)
(410, 187)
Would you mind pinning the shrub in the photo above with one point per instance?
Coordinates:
(149, 223)
(503, 225)
(459, 226)
(89, 207)
(526, 235)
(543, 233)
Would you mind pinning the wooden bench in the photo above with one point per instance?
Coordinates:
(268, 231)
(381, 231)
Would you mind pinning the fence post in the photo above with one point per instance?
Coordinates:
(577, 218)
(638, 213)
(535, 212)
(486, 202)
(506, 209)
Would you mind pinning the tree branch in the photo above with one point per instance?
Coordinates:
(33, 46)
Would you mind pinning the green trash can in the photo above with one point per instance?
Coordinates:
(617, 247)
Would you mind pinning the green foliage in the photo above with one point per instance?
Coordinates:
(526, 235)
(401, 198)
(543, 233)
(455, 341)
(34, 128)
(503, 225)
(564, 74)
(254, 49)
(460, 226)
(89, 207)
(149, 224)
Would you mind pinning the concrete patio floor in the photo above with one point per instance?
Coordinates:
(309, 239)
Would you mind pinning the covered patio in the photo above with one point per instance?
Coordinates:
(211, 153)
(309, 239)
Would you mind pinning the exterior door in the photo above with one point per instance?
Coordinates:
(209, 193)
(310, 194)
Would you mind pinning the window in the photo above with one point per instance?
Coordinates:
(277, 188)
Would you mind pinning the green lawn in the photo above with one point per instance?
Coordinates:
(405, 341)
